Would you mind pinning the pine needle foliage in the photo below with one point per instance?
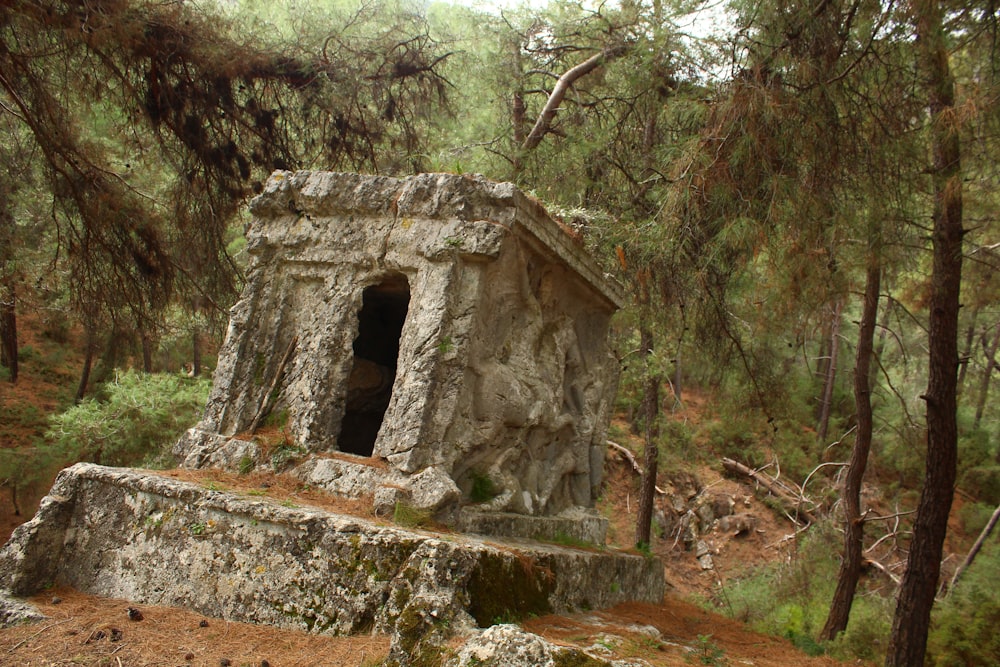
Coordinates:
(136, 422)
(156, 120)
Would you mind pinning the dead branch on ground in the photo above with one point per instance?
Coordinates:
(791, 502)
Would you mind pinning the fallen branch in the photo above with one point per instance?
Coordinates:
(627, 455)
(791, 505)
(883, 569)
(544, 123)
(630, 457)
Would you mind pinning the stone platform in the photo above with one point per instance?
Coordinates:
(125, 533)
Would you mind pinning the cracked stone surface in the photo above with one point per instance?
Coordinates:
(117, 532)
(437, 322)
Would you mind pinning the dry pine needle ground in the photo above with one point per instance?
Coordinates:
(86, 631)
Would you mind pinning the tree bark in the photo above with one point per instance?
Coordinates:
(984, 386)
(970, 337)
(880, 345)
(88, 362)
(854, 527)
(147, 352)
(830, 377)
(650, 405)
(650, 409)
(908, 642)
(196, 353)
(8, 331)
(678, 378)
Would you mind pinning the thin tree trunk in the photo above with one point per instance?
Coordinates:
(88, 362)
(970, 338)
(883, 330)
(984, 387)
(854, 527)
(518, 115)
(910, 625)
(678, 377)
(650, 404)
(8, 331)
(13, 498)
(147, 352)
(196, 353)
(830, 379)
(650, 409)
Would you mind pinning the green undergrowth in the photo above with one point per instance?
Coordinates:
(134, 421)
(964, 625)
(791, 599)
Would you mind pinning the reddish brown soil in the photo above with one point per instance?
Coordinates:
(685, 634)
(80, 631)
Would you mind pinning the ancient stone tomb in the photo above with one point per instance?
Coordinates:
(437, 338)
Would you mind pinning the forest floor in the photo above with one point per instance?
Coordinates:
(85, 630)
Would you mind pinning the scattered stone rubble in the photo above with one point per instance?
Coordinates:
(690, 516)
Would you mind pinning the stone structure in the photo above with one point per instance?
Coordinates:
(131, 534)
(443, 327)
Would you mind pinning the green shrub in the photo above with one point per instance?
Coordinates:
(964, 626)
(139, 417)
(483, 489)
(732, 438)
(983, 482)
(973, 517)
(676, 443)
(410, 517)
(792, 599)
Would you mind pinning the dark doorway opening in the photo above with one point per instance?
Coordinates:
(376, 352)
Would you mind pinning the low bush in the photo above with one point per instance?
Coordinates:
(135, 422)
(792, 600)
(964, 626)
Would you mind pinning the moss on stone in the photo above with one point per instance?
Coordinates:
(504, 587)
(571, 658)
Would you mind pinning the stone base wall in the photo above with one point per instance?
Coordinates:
(124, 533)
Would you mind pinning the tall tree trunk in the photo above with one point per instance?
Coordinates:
(854, 527)
(518, 116)
(650, 409)
(678, 377)
(822, 369)
(830, 379)
(8, 330)
(650, 405)
(908, 642)
(883, 330)
(991, 364)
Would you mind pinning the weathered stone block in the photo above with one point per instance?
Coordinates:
(436, 322)
(129, 534)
